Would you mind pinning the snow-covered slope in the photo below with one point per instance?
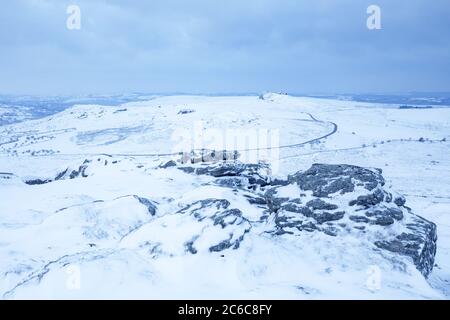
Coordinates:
(97, 201)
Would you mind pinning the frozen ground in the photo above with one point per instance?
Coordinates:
(96, 236)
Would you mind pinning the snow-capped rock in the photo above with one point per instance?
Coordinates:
(338, 200)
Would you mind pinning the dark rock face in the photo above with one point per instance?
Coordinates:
(168, 164)
(297, 207)
(400, 201)
(198, 207)
(33, 182)
(190, 246)
(255, 200)
(375, 207)
(231, 169)
(151, 206)
(81, 172)
(359, 219)
(236, 174)
(384, 216)
(318, 204)
(332, 199)
(232, 182)
(324, 180)
(369, 200)
(221, 215)
(65, 174)
(325, 216)
(417, 242)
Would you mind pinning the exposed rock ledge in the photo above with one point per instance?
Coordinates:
(336, 200)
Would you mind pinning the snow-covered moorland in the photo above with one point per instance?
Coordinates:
(333, 199)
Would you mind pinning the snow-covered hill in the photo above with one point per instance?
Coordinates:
(105, 202)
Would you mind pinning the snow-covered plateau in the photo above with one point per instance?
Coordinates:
(322, 199)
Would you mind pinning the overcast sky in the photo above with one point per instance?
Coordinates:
(224, 46)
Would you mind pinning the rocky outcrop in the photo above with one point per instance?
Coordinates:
(418, 242)
(236, 174)
(337, 200)
(65, 174)
(217, 214)
(76, 171)
(346, 198)
(151, 206)
(324, 180)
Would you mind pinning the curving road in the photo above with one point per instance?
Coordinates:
(295, 145)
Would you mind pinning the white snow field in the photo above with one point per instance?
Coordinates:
(87, 211)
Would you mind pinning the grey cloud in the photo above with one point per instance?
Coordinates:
(224, 46)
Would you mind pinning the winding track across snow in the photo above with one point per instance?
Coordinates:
(313, 119)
